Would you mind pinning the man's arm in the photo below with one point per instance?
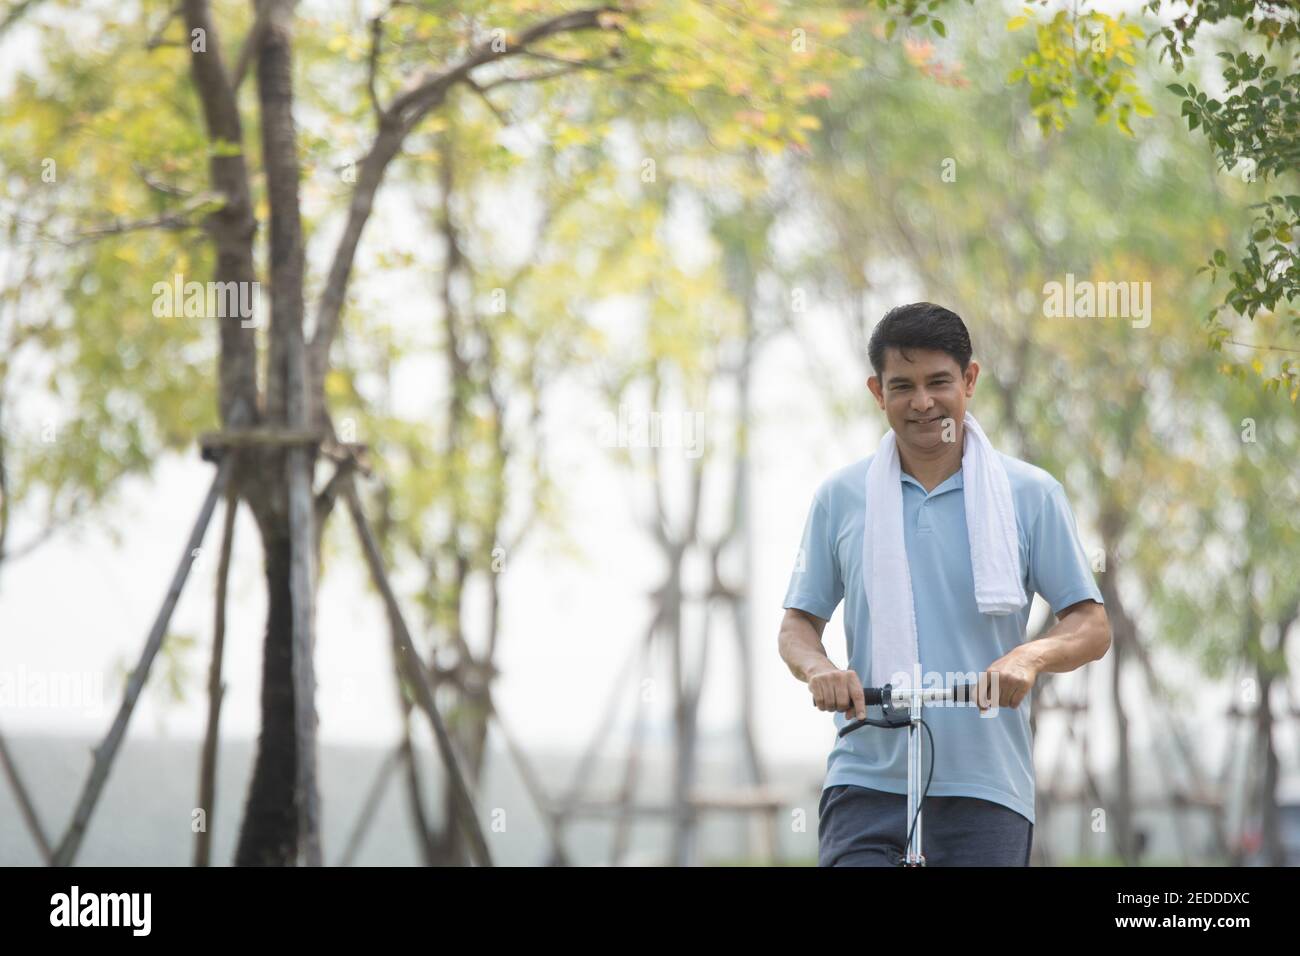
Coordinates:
(1059, 571)
(1081, 635)
(800, 643)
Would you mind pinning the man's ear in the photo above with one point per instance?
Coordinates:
(873, 383)
(972, 373)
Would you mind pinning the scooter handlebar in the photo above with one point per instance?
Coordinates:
(958, 694)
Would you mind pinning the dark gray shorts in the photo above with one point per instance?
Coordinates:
(858, 826)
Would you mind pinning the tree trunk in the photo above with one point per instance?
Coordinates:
(269, 835)
(1120, 817)
(282, 813)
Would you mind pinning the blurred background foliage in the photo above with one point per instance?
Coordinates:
(748, 175)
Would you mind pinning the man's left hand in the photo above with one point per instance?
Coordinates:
(1016, 673)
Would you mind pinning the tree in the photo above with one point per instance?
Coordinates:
(1251, 123)
(974, 207)
(204, 156)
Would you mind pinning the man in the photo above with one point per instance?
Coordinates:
(980, 805)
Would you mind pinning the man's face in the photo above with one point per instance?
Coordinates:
(919, 390)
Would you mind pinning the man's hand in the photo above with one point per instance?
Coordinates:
(834, 689)
(1081, 634)
(1012, 677)
(801, 648)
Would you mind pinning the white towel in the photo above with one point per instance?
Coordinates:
(994, 551)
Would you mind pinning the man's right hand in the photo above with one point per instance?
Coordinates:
(838, 690)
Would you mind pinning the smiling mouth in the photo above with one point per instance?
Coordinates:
(927, 421)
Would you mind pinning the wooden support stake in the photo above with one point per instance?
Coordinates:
(302, 588)
(107, 751)
(370, 805)
(408, 663)
(533, 785)
(25, 805)
(216, 689)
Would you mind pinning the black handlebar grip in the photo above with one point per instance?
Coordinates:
(961, 694)
(965, 693)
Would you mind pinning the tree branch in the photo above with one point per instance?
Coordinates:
(528, 78)
(502, 118)
(1265, 348)
(372, 61)
(432, 87)
(394, 124)
(251, 43)
(156, 40)
(233, 226)
(182, 218)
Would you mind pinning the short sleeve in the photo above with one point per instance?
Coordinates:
(1059, 569)
(816, 585)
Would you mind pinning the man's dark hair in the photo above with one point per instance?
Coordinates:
(920, 325)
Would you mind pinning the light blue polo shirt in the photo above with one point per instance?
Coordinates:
(987, 757)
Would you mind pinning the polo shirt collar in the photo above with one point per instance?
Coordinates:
(950, 483)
